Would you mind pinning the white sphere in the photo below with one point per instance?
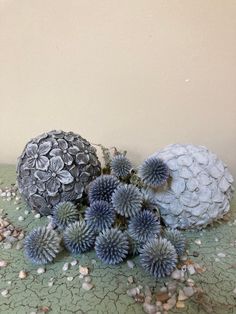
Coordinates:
(199, 190)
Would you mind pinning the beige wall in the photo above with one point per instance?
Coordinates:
(135, 74)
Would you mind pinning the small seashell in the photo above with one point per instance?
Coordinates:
(198, 242)
(4, 293)
(22, 274)
(221, 255)
(37, 216)
(3, 263)
(130, 264)
(191, 269)
(87, 286)
(83, 270)
(21, 218)
(70, 278)
(41, 270)
(130, 279)
(73, 263)
(87, 279)
(65, 267)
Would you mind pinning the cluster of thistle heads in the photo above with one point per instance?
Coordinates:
(120, 219)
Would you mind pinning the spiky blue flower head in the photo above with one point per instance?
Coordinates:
(144, 226)
(79, 237)
(177, 240)
(42, 245)
(120, 166)
(100, 215)
(112, 246)
(134, 246)
(102, 188)
(64, 213)
(158, 257)
(149, 201)
(127, 200)
(154, 172)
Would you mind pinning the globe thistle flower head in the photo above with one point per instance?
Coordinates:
(102, 188)
(100, 215)
(154, 172)
(120, 166)
(64, 213)
(149, 201)
(112, 246)
(42, 245)
(144, 226)
(134, 246)
(177, 240)
(127, 200)
(79, 237)
(158, 257)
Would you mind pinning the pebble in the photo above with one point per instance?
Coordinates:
(21, 236)
(133, 291)
(83, 270)
(41, 270)
(50, 283)
(130, 279)
(3, 263)
(216, 239)
(182, 296)
(188, 291)
(191, 269)
(73, 263)
(177, 274)
(234, 291)
(37, 216)
(81, 276)
(22, 274)
(221, 255)
(198, 241)
(26, 212)
(87, 279)
(21, 218)
(180, 305)
(19, 245)
(87, 286)
(4, 293)
(162, 296)
(7, 245)
(9, 283)
(170, 303)
(65, 267)
(70, 278)
(149, 308)
(130, 264)
(190, 282)
(171, 287)
(17, 207)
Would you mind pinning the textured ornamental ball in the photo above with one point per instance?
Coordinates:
(158, 257)
(200, 188)
(154, 172)
(144, 226)
(64, 213)
(120, 166)
(127, 200)
(56, 167)
(42, 245)
(102, 188)
(112, 246)
(79, 237)
(177, 239)
(100, 215)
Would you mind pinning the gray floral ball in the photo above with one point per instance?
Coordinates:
(54, 167)
(199, 189)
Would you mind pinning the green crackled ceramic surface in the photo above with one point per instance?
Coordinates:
(110, 283)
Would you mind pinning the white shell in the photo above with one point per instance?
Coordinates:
(200, 190)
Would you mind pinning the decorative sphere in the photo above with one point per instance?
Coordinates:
(200, 188)
(56, 167)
